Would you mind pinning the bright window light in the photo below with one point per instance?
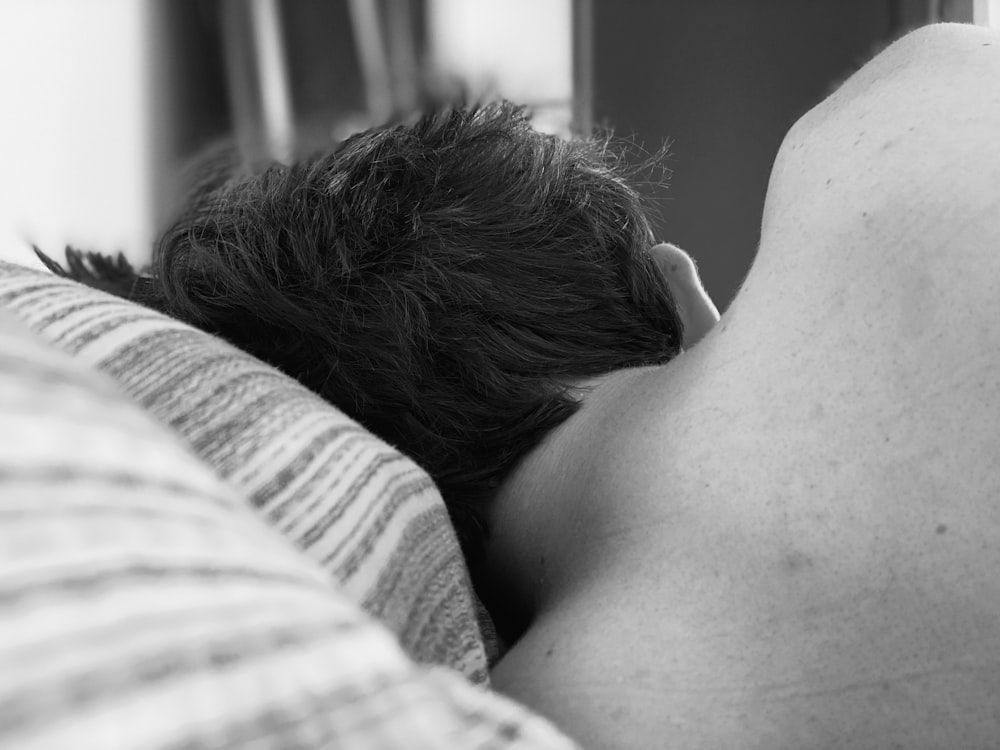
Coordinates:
(517, 49)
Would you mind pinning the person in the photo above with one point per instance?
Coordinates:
(446, 282)
(782, 531)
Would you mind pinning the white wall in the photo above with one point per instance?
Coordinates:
(987, 13)
(75, 134)
(517, 49)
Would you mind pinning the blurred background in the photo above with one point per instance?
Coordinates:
(104, 101)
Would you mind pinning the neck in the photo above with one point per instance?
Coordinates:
(551, 524)
(549, 519)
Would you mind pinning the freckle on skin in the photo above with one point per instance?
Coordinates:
(796, 561)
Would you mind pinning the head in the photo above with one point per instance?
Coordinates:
(444, 282)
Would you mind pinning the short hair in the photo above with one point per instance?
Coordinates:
(442, 282)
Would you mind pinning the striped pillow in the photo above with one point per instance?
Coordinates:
(143, 605)
(368, 515)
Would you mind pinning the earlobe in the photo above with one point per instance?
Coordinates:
(696, 308)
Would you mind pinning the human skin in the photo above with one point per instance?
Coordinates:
(789, 536)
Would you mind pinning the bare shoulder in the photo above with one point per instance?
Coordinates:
(901, 163)
(956, 64)
(920, 118)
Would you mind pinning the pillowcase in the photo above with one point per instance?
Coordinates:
(144, 605)
(364, 512)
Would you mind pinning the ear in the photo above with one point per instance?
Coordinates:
(695, 306)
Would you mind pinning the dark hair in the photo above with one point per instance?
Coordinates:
(442, 282)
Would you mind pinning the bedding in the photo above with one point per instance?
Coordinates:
(365, 513)
(144, 604)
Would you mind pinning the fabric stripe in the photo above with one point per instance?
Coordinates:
(89, 686)
(120, 478)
